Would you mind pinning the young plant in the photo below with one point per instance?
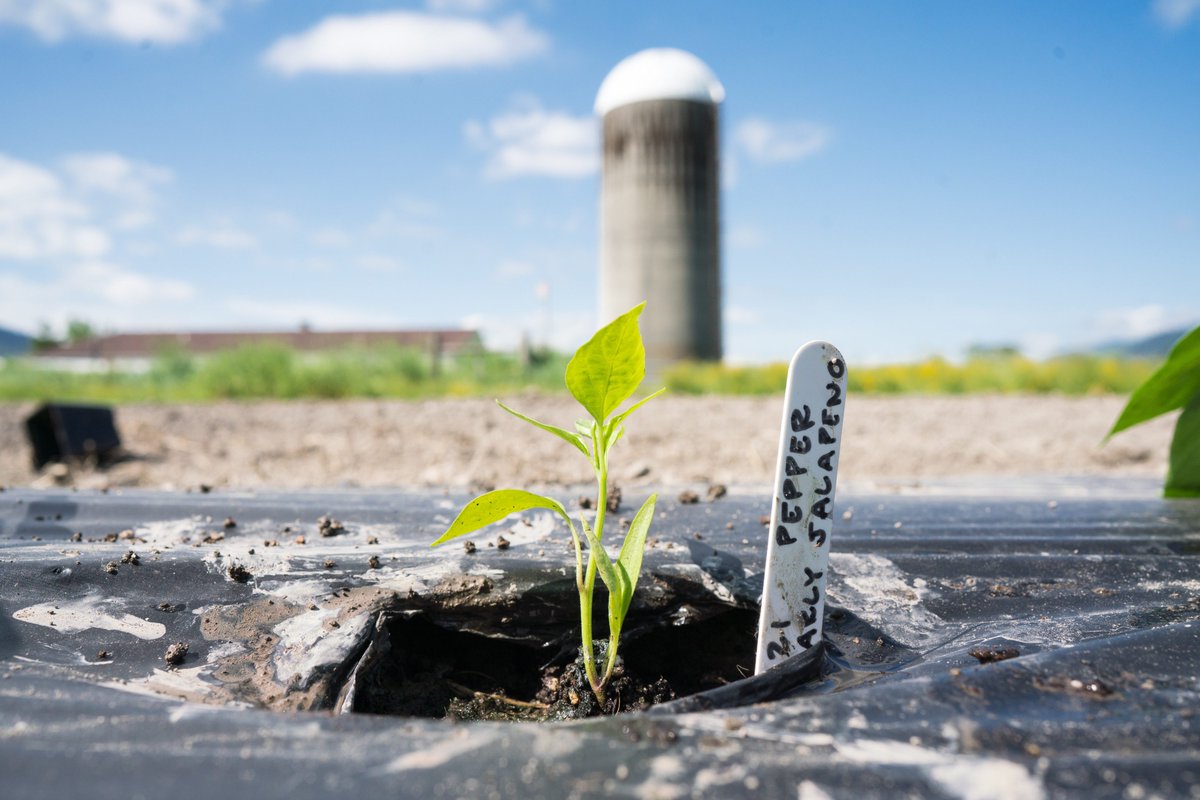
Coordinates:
(603, 374)
(1175, 385)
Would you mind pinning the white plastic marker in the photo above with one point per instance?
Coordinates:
(793, 602)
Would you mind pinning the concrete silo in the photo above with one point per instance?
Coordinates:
(659, 206)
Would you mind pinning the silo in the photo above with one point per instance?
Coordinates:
(659, 204)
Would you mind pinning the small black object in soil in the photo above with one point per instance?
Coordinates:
(716, 491)
(111, 568)
(687, 497)
(373, 562)
(502, 543)
(230, 523)
(239, 573)
(131, 558)
(469, 546)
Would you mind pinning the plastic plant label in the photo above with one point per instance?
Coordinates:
(793, 602)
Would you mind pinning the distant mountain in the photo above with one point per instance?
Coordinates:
(1157, 345)
(13, 343)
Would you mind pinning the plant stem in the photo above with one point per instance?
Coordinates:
(600, 455)
(585, 625)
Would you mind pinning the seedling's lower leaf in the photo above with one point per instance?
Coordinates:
(1173, 386)
(629, 559)
(565, 435)
(495, 506)
(1183, 470)
(609, 367)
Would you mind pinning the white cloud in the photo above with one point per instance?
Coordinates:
(1174, 14)
(121, 286)
(771, 143)
(161, 22)
(223, 235)
(1140, 322)
(461, 6)
(40, 219)
(404, 42)
(287, 313)
(564, 331)
(100, 292)
(532, 141)
(134, 182)
(126, 189)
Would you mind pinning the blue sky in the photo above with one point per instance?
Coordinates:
(901, 179)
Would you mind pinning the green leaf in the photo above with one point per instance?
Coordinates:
(565, 435)
(1183, 470)
(609, 367)
(1173, 386)
(495, 506)
(629, 560)
(619, 418)
(584, 427)
(596, 550)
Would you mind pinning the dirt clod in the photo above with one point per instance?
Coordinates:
(502, 543)
(613, 502)
(373, 562)
(328, 526)
(229, 523)
(131, 558)
(687, 497)
(176, 653)
(239, 573)
(330, 563)
(103, 655)
(111, 568)
(988, 655)
(469, 546)
(716, 491)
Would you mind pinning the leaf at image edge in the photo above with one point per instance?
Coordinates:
(493, 507)
(1183, 469)
(1172, 386)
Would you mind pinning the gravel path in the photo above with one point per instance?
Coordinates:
(672, 441)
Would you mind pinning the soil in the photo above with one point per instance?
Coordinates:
(674, 441)
(434, 666)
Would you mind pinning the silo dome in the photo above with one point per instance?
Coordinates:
(660, 73)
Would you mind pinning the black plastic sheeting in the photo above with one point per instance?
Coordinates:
(1096, 600)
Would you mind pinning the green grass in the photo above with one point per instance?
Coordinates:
(1069, 375)
(276, 372)
(270, 371)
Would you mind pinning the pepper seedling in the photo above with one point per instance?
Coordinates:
(602, 375)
